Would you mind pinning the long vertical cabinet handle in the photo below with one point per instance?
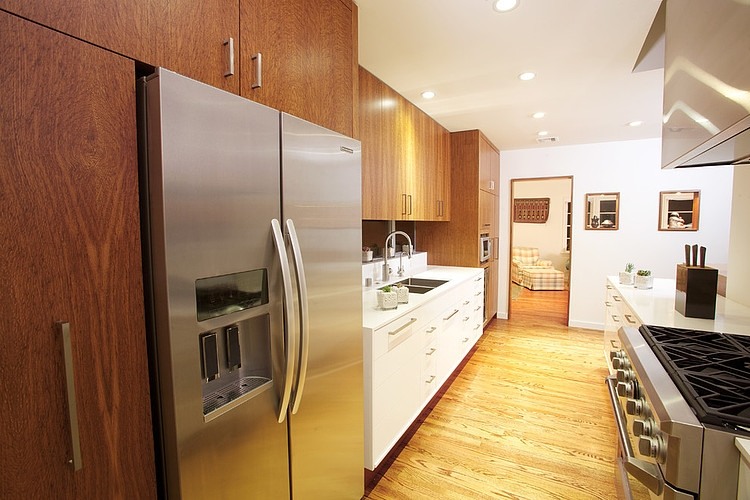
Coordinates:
(258, 58)
(64, 329)
(290, 339)
(304, 316)
(229, 44)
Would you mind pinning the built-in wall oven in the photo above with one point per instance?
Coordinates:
(679, 398)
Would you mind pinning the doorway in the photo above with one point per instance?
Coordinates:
(541, 228)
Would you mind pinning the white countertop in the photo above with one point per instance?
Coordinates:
(655, 306)
(373, 317)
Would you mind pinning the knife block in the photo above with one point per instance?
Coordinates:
(695, 296)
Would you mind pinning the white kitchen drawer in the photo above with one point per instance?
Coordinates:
(385, 366)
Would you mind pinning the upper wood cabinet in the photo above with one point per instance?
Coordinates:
(70, 210)
(405, 157)
(301, 58)
(489, 166)
(185, 37)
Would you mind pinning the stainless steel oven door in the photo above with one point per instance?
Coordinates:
(636, 478)
(485, 247)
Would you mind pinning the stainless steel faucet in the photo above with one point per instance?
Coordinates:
(386, 269)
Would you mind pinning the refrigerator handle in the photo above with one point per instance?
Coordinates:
(304, 316)
(290, 340)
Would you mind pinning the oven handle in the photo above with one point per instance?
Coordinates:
(646, 473)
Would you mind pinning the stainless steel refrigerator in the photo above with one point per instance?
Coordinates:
(252, 232)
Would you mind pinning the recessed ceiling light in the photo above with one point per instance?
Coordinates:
(504, 5)
(542, 133)
(636, 123)
(538, 114)
(428, 94)
(527, 76)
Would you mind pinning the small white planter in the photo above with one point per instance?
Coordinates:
(644, 282)
(367, 256)
(626, 278)
(387, 300)
(402, 293)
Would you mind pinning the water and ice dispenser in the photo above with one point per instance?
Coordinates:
(235, 357)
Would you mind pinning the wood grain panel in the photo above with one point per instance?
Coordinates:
(513, 424)
(308, 59)
(70, 225)
(128, 28)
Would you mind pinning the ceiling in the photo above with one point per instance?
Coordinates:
(582, 51)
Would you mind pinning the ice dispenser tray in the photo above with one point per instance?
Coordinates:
(243, 352)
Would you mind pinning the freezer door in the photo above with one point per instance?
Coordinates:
(321, 193)
(213, 184)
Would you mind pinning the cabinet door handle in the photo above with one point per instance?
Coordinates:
(466, 319)
(403, 204)
(394, 332)
(608, 304)
(409, 204)
(477, 327)
(616, 298)
(630, 319)
(70, 386)
(615, 318)
(229, 44)
(432, 351)
(465, 340)
(258, 58)
(477, 308)
(432, 329)
(432, 377)
(455, 311)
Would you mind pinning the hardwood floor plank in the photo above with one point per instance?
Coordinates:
(527, 418)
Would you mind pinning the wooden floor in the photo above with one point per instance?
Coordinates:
(528, 418)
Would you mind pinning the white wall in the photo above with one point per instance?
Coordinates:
(549, 237)
(631, 168)
(738, 268)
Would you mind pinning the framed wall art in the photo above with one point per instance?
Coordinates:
(602, 211)
(531, 210)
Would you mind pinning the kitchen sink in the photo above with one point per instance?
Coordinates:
(420, 285)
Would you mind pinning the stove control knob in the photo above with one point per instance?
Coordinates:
(653, 446)
(628, 389)
(634, 407)
(643, 427)
(620, 363)
(617, 353)
(625, 375)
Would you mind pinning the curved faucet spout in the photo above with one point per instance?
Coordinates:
(386, 269)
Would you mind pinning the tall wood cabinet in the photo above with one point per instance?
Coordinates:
(405, 157)
(475, 170)
(70, 228)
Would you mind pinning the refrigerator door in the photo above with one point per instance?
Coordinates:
(321, 195)
(213, 184)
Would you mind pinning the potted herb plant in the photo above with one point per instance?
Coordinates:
(643, 279)
(387, 298)
(366, 254)
(626, 276)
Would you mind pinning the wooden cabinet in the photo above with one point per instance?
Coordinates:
(71, 224)
(308, 59)
(489, 166)
(186, 37)
(405, 157)
(474, 212)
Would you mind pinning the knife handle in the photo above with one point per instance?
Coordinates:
(695, 255)
(703, 256)
(687, 255)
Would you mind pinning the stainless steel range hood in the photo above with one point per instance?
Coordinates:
(706, 82)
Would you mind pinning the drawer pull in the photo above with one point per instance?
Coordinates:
(477, 294)
(607, 303)
(431, 379)
(478, 326)
(630, 319)
(432, 351)
(615, 318)
(397, 330)
(465, 340)
(477, 308)
(455, 311)
(432, 329)
(466, 303)
(466, 319)
(478, 279)
(617, 298)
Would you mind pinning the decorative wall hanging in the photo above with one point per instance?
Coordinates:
(533, 210)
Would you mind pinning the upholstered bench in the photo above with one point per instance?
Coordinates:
(542, 279)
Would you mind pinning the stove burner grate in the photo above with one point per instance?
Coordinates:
(711, 370)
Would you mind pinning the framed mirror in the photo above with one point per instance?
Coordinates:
(602, 211)
(679, 210)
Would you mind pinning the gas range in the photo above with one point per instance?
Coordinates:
(680, 398)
